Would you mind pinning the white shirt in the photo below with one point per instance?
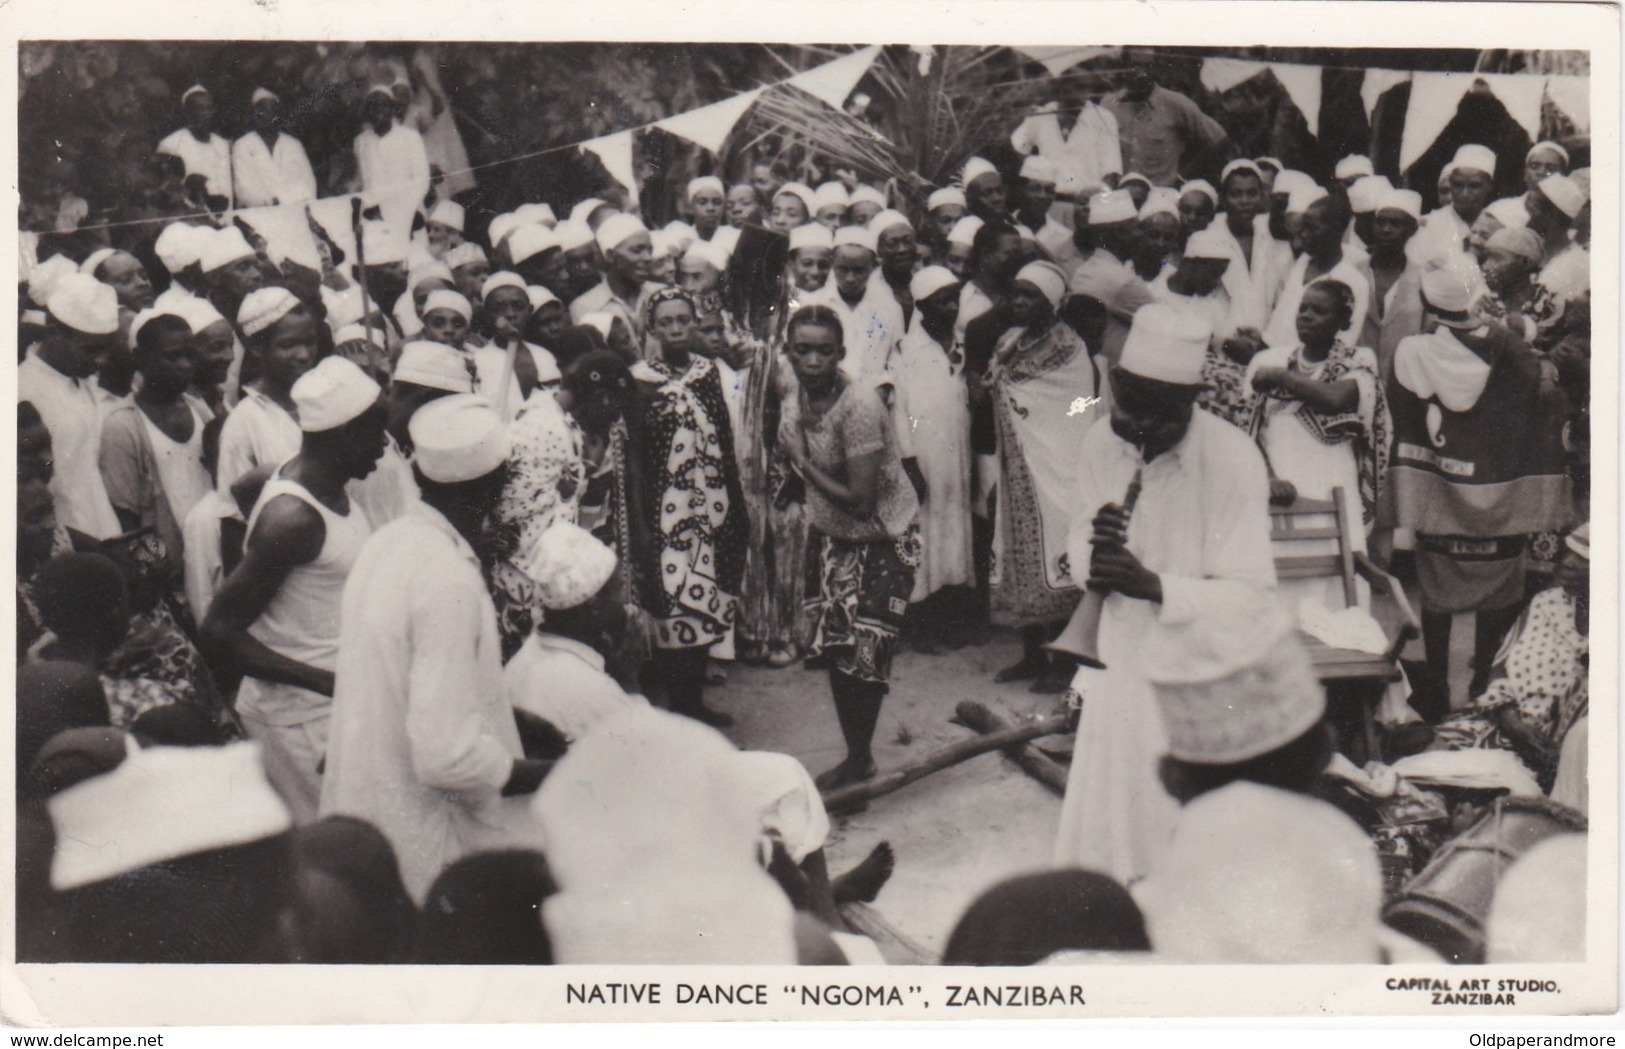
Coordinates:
(279, 174)
(205, 568)
(421, 740)
(211, 159)
(70, 410)
(257, 431)
(1253, 281)
(1056, 240)
(394, 170)
(871, 329)
(563, 681)
(1283, 326)
(1084, 156)
(1442, 240)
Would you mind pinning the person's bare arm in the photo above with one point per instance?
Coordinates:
(288, 534)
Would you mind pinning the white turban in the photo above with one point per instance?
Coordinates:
(944, 197)
(965, 230)
(446, 299)
(531, 240)
(502, 279)
(569, 566)
(448, 213)
(886, 220)
(1047, 278)
(811, 235)
(856, 237)
(435, 365)
(930, 280)
(705, 182)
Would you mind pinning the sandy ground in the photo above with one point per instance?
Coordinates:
(956, 832)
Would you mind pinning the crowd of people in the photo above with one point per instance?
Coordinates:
(373, 593)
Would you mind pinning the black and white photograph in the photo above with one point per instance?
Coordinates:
(1038, 523)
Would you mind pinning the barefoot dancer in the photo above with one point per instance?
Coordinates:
(864, 538)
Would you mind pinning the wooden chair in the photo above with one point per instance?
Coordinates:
(1350, 676)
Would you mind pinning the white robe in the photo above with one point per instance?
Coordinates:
(394, 170)
(932, 397)
(871, 329)
(1202, 524)
(1253, 282)
(211, 159)
(73, 416)
(422, 739)
(271, 175)
(1083, 156)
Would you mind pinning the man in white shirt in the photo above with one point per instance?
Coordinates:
(1543, 160)
(268, 165)
(1085, 158)
(1197, 539)
(423, 745)
(1321, 238)
(871, 319)
(1443, 238)
(58, 378)
(206, 155)
(392, 161)
(627, 252)
(1258, 261)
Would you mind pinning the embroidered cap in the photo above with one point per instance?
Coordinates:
(333, 393)
(84, 304)
(263, 307)
(435, 365)
(569, 566)
(458, 438)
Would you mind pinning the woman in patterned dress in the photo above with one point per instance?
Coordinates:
(863, 540)
(695, 509)
(1537, 688)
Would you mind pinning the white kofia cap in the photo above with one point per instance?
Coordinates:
(944, 197)
(1208, 243)
(161, 804)
(448, 213)
(886, 220)
(1406, 200)
(856, 237)
(263, 307)
(1298, 201)
(1166, 344)
(1564, 193)
(811, 235)
(830, 195)
(502, 279)
(801, 192)
(709, 252)
(446, 299)
(584, 208)
(94, 260)
(536, 214)
(930, 280)
(225, 247)
(965, 230)
(1202, 186)
(333, 393)
(263, 94)
(1355, 166)
(1047, 278)
(1161, 201)
(84, 304)
(572, 235)
(435, 365)
(1473, 157)
(1114, 205)
(1367, 192)
(44, 279)
(531, 240)
(500, 227)
(617, 230)
(977, 167)
(569, 566)
(1235, 686)
(458, 438)
(464, 254)
(703, 183)
(1446, 288)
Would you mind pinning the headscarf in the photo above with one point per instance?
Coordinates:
(1025, 919)
(660, 298)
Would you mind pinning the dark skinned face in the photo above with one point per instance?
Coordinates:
(508, 309)
(1153, 416)
(289, 351)
(1541, 164)
(815, 354)
(898, 250)
(1469, 191)
(1195, 212)
(852, 267)
(1320, 318)
(987, 197)
(810, 267)
(1028, 307)
(1390, 229)
(168, 367)
(1243, 198)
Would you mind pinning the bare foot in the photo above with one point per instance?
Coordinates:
(845, 774)
(863, 883)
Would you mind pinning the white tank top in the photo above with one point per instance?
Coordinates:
(302, 620)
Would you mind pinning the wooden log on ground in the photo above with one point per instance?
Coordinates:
(856, 794)
(1032, 761)
(896, 946)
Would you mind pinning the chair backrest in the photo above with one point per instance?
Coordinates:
(1306, 521)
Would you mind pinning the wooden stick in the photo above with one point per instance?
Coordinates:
(896, 946)
(849, 797)
(1033, 762)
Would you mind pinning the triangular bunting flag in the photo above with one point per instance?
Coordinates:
(1435, 98)
(1379, 82)
(709, 126)
(1302, 85)
(1222, 74)
(1572, 95)
(616, 153)
(1059, 59)
(1521, 94)
(833, 81)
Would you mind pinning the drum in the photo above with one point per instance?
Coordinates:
(1446, 905)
